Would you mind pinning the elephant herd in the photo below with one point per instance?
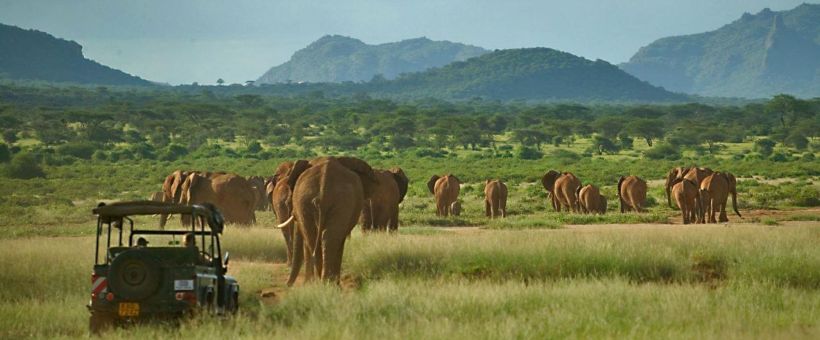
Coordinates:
(701, 193)
(317, 203)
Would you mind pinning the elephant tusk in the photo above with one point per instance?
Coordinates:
(286, 223)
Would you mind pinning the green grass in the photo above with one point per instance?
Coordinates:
(661, 282)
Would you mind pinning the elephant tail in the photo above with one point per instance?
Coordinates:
(734, 203)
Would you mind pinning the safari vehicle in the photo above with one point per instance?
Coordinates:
(133, 281)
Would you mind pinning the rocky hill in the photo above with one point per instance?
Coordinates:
(755, 56)
(530, 74)
(35, 55)
(335, 58)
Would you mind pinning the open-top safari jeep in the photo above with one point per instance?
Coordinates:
(134, 281)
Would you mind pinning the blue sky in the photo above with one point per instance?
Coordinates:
(184, 41)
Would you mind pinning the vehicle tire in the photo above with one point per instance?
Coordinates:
(134, 275)
(100, 322)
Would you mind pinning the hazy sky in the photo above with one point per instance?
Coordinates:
(201, 40)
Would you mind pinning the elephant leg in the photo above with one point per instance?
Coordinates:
(394, 219)
(636, 206)
(495, 208)
(163, 219)
(367, 217)
(723, 217)
(487, 211)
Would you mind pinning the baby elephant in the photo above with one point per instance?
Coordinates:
(455, 208)
(495, 199)
(591, 200)
(685, 194)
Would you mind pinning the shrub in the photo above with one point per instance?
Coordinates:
(81, 150)
(764, 146)
(565, 156)
(5, 153)
(779, 157)
(173, 152)
(99, 155)
(798, 141)
(426, 152)
(24, 166)
(663, 151)
(808, 157)
(525, 152)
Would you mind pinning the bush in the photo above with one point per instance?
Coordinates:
(808, 157)
(24, 166)
(81, 150)
(99, 155)
(779, 157)
(798, 141)
(764, 146)
(525, 152)
(663, 151)
(5, 153)
(426, 152)
(173, 152)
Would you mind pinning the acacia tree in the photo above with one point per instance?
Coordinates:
(648, 129)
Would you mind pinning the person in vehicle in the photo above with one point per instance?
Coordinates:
(142, 242)
(189, 241)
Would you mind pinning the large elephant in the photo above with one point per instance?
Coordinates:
(279, 193)
(495, 198)
(258, 185)
(172, 191)
(590, 200)
(381, 210)
(631, 193)
(714, 190)
(562, 189)
(685, 193)
(327, 197)
(230, 193)
(446, 190)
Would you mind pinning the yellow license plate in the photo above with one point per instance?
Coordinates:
(129, 309)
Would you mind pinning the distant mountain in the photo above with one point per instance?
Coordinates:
(335, 58)
(35, 55)
(755, 56)
(533, 74)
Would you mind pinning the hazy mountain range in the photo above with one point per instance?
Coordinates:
(336, 58)
(755, 56)
(35, 55)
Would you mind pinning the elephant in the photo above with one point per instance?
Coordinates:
(714, 190)
(171, 191)
(230, 193)
(446, 190)
(259, 186)
(685, 193)
(590, 200)
(495, 198)
(631, 193)
(381, 210)
(327, 198)
(695, 174)
(279, 193)
(562, 188)
(455, 208)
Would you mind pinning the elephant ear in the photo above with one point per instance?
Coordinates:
(620, 181)
(365, 172)
(455, 178)
(188, 187)
(401, 180)
(431, 184)
(578, 190)
(548, 180)
(176, 184)
(281, 171)
(298, 168)
(730, 178)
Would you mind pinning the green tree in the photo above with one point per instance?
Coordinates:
(764, 146)
(648, 129)
(24, 166)
(5, 153)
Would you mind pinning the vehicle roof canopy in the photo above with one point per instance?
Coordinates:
(130, 208)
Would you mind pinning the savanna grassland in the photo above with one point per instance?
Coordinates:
(535, 274)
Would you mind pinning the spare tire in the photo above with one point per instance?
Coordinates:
(134, 275)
